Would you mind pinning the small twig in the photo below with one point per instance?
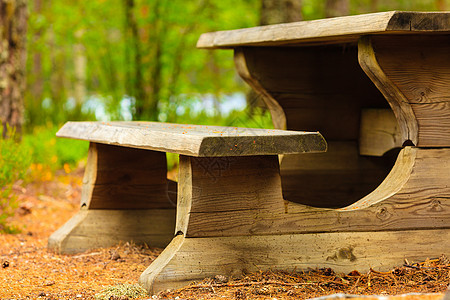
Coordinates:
(411, 266)
(356, 283)
(88, 254)
(237, 284)
(380, 273)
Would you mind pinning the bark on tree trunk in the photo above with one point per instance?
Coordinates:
(280, 11)
(274, 12)
(337, 8)
(13, 26)
(136, 79)
(37, 86)
(374, 5)
(80, 64)
(441, 5)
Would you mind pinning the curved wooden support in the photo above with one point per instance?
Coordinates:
(415, 195)
(320, 89)
(232, 219)
(277, 112)
(394, 182)
(398, 102)
(124, 198)
(413, 72)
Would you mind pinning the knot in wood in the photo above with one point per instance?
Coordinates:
(436, 206)
(383, 214)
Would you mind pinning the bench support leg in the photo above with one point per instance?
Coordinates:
(124, 198)
(208, 186)
(232, 219)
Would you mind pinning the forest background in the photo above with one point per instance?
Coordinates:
(132, 60)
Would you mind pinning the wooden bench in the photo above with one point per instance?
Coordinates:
(360, 205)
(125, 195)
(356, 206)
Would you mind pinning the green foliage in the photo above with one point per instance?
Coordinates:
(169, 63)
(124, 290)
(14, 163)
(52, 152)
(35, 157)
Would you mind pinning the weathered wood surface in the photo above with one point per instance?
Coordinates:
(125, 197)
(319, 88)
(379, 132)
(324, 89)
(244, 198)
(189, 259)
(232, 219)
(125, 178)
(278, 115)
(419, 67)
(95, 228)
(195, 140)
(346, 29)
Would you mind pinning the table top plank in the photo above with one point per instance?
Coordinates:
(196, 140)
(329, 31)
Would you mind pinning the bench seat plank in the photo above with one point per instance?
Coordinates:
(334, 30)
(196, 140)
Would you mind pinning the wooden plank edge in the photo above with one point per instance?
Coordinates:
(284, 144)
(99, 133)
(392, 22)
(212, 146)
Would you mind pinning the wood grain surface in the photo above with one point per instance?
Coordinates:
(419, 66)
(125, 178)
(195, 140)
(189, 259)
(379, 132)
(96, 228)
(326, 31)
(240, 202)
(395, 97)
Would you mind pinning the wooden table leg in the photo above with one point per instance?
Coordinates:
(232, 219)
(124, 198)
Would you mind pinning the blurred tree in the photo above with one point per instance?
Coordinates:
(441, 5)
(13, 26)
(274, 12)
(280, 11)
(37, 82)
(140, 55)
(131, 55)
(337, 8)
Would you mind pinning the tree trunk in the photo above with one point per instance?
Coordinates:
(441, 5)
(37, 86)
(337, 8)
(80, 64)
(274, 12)
(280, 11)
(374, 5)
(13, 26)
(136, 79)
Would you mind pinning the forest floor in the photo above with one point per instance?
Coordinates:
(29, 271)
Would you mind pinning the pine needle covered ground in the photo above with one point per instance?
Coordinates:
(29, 271)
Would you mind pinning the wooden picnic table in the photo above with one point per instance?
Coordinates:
(126, 195)
(377, 87)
